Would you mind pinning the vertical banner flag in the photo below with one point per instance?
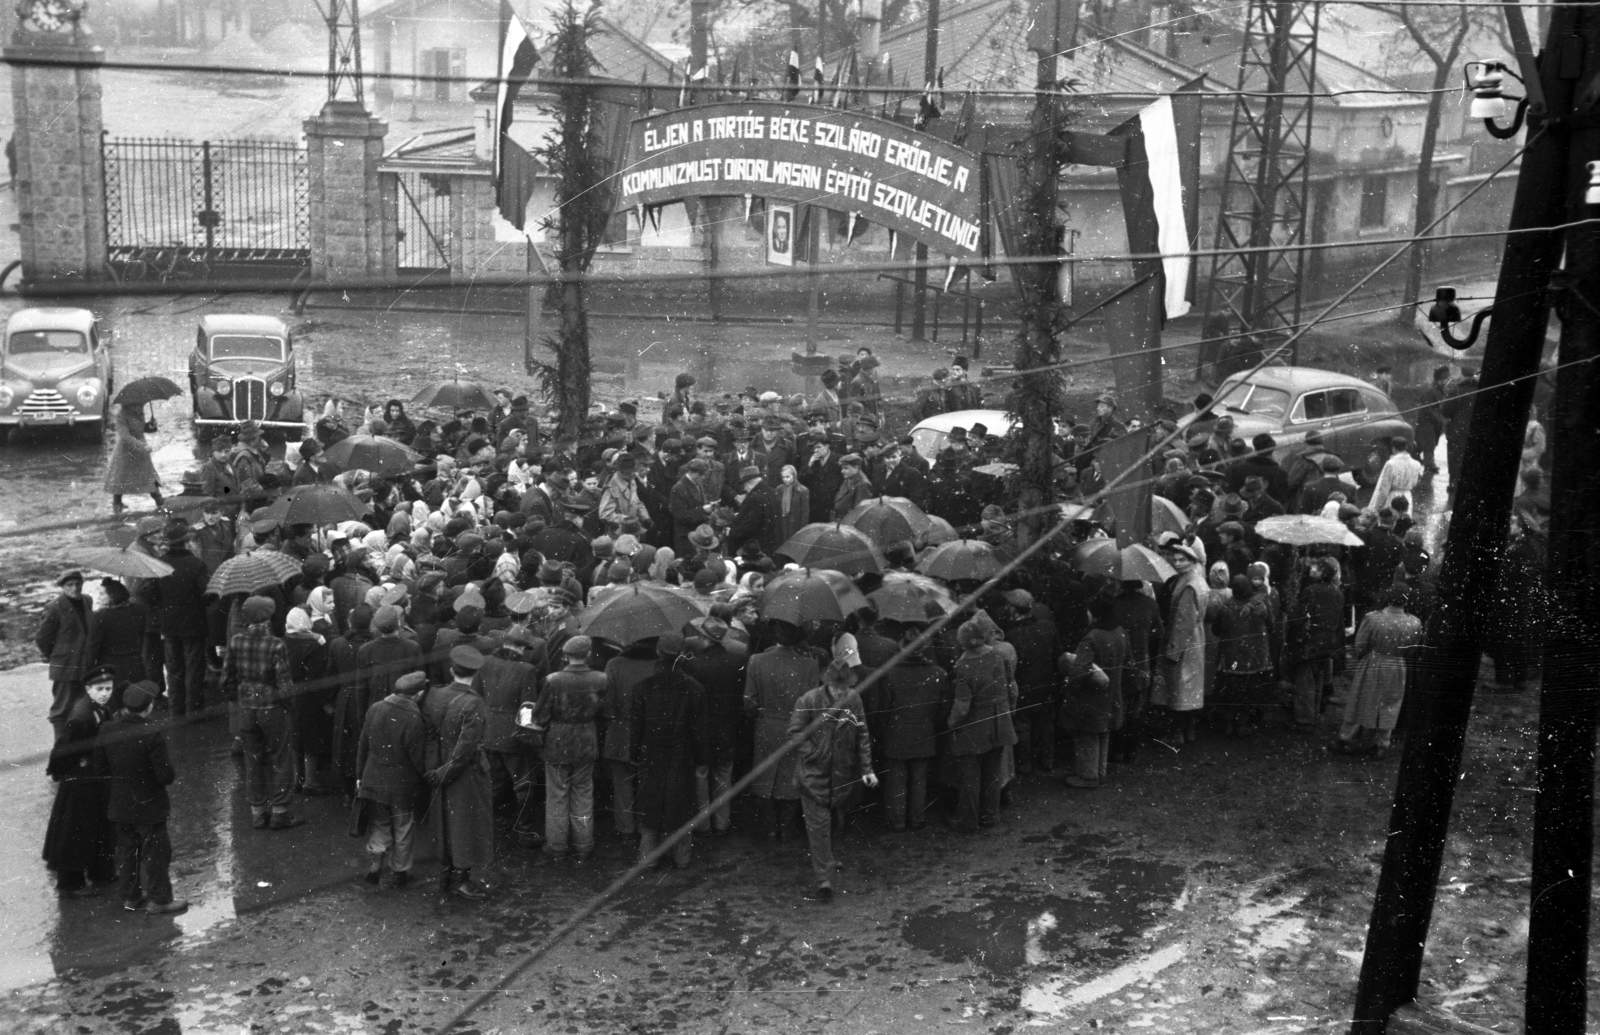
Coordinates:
(1159, 179)
(1160, 133)
(791, 77)
(514, 168)
(819, 80)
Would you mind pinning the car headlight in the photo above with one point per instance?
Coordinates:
(7, 397)
(224, 387)
(276, 388)
(88, 392)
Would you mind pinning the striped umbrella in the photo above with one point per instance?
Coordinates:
(251, 572)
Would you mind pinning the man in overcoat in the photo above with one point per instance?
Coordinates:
(135, 755)
(63, 639)
(392, 760)
(835, 759)
(463, 806)
(183, 619)
(669, 736)
(759, 517)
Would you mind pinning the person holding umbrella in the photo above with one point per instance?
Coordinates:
(130, 468)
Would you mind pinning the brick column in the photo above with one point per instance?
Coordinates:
(60, 181)
(344, 145)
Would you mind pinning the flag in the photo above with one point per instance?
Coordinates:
(950, 274)
(856, 223)
(899, 99)
(791, 77)
(966, 118)
(1159, 186)
(686, 92)
(932, 104)
(514, 168)
(894, 239)
(749, 203)
(819, 78)
(842, 78)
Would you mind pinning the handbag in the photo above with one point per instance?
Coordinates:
(360, 817)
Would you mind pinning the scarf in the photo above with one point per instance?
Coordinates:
(320, 602)
(299, 621)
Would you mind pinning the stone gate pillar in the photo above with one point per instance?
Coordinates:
(60, 168)
(344, 145)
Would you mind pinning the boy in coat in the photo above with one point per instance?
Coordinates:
(135, 758)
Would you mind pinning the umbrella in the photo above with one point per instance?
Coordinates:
(250, 572)
(1101, 557)
(838, 546)
(316, 505)
(122, 562)
(889, 519)
(144, 390)
(997, 469)
(372, 453)
(455, 395)
(939, 531)
(638, 613)
(1305, 530)
(820, 595)
(908, 597)
(971, 559)
(1166, 516)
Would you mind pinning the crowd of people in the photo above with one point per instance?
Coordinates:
(425, 658)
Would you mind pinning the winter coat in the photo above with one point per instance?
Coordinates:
(667, 717)
(799, 513)
(1184, 664)
(906, 481)
(835, 756)
(1378, 682)
(1035, 641)
(79, 836)
(351, 703)
(624, 673)
(380, 663)
(774, 681)
(1316, 623)
(759, 519)
(116, 638)
(63, 638)
(1087, 707)
(570, 707)
(980, 718)
(130, 468)
(911, 696)
(183, 596)
(464, 817)
(722, 674)
(315, 694)
(134, 752)
(391, 753)
(852, 492)
(506, 683)
(687, 504)
(823, 478)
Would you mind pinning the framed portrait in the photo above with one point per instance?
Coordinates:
(781, 229)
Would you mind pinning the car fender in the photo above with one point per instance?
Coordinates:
(206, 405)
(291, 407)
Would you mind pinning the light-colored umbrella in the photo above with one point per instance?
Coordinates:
(250, 572)
(1101, 557)
(1166, 516)
(833, 545)
(997, 469)
(121, 562)
(638, 613)
(939, 532)
(819, 595)
(1306, 530)
(964, 559)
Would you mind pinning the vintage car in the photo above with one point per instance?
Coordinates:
(1290, 402)
(243, 368)
(55, 370)
(931, 436)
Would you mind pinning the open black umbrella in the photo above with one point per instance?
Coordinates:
(827, 544)
(371, 453)
(143, 390)
(315, 505)
(455, 395)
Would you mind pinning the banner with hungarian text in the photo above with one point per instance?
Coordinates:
(892, 175)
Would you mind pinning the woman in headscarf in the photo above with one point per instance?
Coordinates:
(794, 504)
(1217, 578)
(311, 708)
(116, 636)
(1182, 686)
(1244, 654)
(130, 468)
(1386, 639)
(980, 726)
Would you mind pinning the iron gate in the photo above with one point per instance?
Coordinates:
(424, 234)
(181, 208)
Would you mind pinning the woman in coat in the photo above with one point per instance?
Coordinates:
(1384, 641)
(130, 468)
(794, 504)
(1182, 688)
(668, 722)
(312, 705)
(1091, 707)
(980, 726)
(1244, 654)
(397, 425)
(774, 681)
(116, 637)
(80, 842)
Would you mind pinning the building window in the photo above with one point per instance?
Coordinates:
(444, 64)
(1374, 201)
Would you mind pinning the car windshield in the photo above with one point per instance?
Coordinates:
(25, 342)
(246, 346)
(1244, 397)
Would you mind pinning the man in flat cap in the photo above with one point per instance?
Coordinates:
(256, 678)
(63, 639)
(574, 697)
(690, 505)
(140, 770)
(854, 488)
(391, 758)
(705, 450)
(463, 813)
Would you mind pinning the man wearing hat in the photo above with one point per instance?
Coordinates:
(833, 761)
(183, 619)
(256, 677)
(689, 504)
(140, 770)
(391, 758)
(670, 741)
(959, 393)
(565, 541)
(743, 453)
(217, 476)
(463, 819)
(821, 475)
(902, 478)
(620, 498)
(1315, 495)
(721, 672)
(706, 452)
(250, 459)
(759, 517)
(63, 639)
(854, 489)
(930, 400)
(864, 386)
(508, 682)
(313, 469)
(1105, 425)
(544, 500)
(573, 699)
(1258, 503)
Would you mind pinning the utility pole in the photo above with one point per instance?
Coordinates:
(710, 207)
(919, 277)
(1563, 810)
(1447, 671)
(870, 33)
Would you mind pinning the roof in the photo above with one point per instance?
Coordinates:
(50, 318)
(448, 148)
(1219, 59)
(243, 323)
(1299, 379)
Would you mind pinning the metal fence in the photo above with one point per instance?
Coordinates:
(425, 235)
(200, 202)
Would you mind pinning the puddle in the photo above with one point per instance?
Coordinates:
(1013, 928)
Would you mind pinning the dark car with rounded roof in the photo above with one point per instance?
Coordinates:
(243, 368)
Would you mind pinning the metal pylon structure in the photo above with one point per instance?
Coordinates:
(344, 51)
(1265, 187)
